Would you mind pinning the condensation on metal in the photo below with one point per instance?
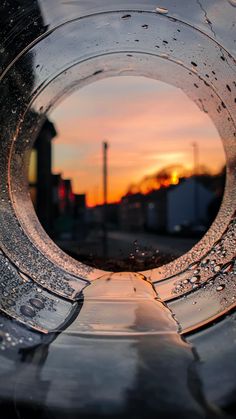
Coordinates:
(184, 44)
(49, 48)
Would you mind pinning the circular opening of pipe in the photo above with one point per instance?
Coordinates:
(127, 174)
(145, 44)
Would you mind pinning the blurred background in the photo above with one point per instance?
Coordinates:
(127, 174)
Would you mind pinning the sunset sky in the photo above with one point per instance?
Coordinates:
(148, 124)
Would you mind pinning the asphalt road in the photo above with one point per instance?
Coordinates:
(120, 244)
(126, 242)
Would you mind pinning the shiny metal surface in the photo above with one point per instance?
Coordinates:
(75, 340)
(122, 355)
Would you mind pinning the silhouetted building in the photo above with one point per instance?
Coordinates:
(63, 196)
(168, 209)
(41, 187)
(132, 212)
(156, 210)
(79, 206)
(95, 214)
(187, 205)
(69, 198)
(61, 212)
(80, 216)
(63, 207)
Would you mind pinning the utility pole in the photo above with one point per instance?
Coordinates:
(105, 190)
(195, 174)
(105, 148)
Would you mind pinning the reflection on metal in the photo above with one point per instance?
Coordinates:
(22, 299)
(205, 290)
(47, 50)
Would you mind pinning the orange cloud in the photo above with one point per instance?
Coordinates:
(148, 125)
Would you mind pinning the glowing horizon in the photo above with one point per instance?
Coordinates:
(148, 124)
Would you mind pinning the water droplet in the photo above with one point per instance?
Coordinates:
(97, 72)
(27, 311)
(24, 277)
(37, 303)
(164, 55)
(195, 279)
(227, 267)
(208, 21)
(10, 302)
(161, 10)
(193, 265)
(217, 268)
(125, 17)
(220, 287)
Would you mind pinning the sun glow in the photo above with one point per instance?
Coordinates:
(133, 114)
(174, 179)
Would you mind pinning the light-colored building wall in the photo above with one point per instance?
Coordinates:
(181, 204)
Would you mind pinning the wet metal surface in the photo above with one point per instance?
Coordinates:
(127, 361)
(114, 302)
(29, 303)
(121, 353)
